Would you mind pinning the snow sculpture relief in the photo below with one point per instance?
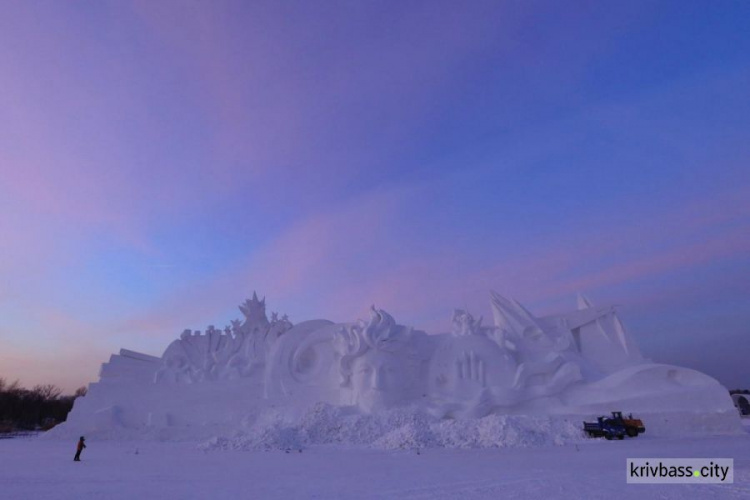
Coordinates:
(238, 351)
(580, 361)
(378, 363)
(546, 364)
(470, 373)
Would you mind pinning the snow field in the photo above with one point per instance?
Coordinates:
(592, 469)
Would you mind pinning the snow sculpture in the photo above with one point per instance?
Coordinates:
(378, 363)
(478, 370)
(236, 352)
(301, 365)
(543, 368)
(579, 362)
(470, 373)
(464, 323)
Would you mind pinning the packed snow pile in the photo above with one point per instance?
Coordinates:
(401, 428)
(378, 383)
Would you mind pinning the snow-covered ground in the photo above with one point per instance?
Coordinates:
(42, 468)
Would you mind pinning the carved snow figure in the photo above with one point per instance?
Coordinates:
(275, 330)
(236, 352)
(470, 374)
(177, 366)
(542, 368)
(378, 367)
(250, 354)
(183, 360)
(254, 329)
(464, 323)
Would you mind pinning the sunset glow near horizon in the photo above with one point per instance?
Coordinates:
(160, 161)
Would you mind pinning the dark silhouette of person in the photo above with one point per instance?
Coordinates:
(79, 449)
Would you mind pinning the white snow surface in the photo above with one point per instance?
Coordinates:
(32, 468)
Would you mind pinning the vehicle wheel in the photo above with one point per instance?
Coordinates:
(621, 436)
(632, 432)
(608, 437)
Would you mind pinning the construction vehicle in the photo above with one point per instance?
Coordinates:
(633, 426)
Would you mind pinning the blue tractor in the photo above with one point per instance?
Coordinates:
(608, 428)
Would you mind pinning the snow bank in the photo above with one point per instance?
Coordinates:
(690, 424)
(410, 428)
(413, 428)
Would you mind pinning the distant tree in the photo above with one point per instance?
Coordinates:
(80, 392)
(42, 407)
(47, 392)
(14, 387)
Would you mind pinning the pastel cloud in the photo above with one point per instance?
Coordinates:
(337, 263)
(158, 163)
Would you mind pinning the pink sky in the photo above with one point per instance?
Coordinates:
(160, 161)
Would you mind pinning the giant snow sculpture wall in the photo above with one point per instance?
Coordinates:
(575, 363)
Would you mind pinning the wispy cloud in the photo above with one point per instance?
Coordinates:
(157, 164)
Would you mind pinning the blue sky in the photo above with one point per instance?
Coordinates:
(162, 160)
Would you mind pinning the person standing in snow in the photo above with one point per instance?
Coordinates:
(79, 449)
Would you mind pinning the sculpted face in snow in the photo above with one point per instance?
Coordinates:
(376, 377)
(374, 363)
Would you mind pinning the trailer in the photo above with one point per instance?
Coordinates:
(606, 428)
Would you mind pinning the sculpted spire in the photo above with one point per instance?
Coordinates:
(510, 316)
(583, 302)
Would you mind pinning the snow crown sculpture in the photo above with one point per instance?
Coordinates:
(381, 333)
(580, 361)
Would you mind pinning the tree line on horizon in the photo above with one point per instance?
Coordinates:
(39, 408)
